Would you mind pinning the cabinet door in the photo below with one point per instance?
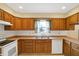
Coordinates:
(43, 46)
(39, 46)
(28, 24)
(67, 48)
(54, 24)
(8, 18)
(62, 23)
(68, 23)
(74, 52)
(1, 14)
(58, 24)
(28, 46)
(19, 47)
(74, 49)
(34, 46)
(71, 20)
(47, 46)
(18, 24)
(11, 20)
(24, 23)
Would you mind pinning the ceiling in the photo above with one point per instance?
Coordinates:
(42, 7)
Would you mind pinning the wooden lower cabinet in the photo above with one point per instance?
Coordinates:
(66, 47)
(43, 46)
(70, 48)
(74, 52)
(28, 46)
(19, 46)
(74, 49)
(34, 46)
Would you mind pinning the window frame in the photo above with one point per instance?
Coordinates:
(47, 19)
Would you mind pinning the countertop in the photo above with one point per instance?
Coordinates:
(35, 37)
(43, 37)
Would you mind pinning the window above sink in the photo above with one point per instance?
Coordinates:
(42, 26)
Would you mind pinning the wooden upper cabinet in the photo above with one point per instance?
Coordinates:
(6, 16)
(57, 24)
(9, 18)
(71, 20)
(31, 24)
(78, 17)
(62, 24)
(67, 23)
(28, 24)
(24, 23)
(18, 23)
(1, 14)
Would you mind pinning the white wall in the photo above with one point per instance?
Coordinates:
(74, 33)
(9, 33)
(34, 33)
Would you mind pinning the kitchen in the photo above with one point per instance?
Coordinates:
(39, 29)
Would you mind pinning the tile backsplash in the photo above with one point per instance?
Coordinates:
(38, 34)
(3, 33)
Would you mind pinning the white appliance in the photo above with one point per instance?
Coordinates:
(57, 46)
(4, 23)
(9, 49)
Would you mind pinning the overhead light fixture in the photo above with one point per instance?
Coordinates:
(64, 7)
(20, 7)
